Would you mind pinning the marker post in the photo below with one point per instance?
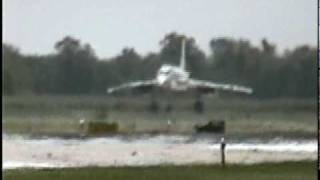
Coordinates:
(222, 149)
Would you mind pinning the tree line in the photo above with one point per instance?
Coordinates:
(74, 68)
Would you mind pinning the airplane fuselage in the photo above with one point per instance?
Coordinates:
(172, 78)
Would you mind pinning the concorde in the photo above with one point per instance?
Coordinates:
(177, 79)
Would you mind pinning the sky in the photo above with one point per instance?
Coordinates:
(111, 25)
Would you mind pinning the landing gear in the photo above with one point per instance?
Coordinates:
(198, 105)
(153, 106)
(168, 108)
(169, 105)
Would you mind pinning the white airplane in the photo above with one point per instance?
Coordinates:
(176, 79)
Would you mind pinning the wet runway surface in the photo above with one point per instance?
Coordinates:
(145, 150)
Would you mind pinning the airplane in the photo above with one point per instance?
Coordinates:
(171, 78)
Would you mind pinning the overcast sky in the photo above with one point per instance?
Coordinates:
(110, 25)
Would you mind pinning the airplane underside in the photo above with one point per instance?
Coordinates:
(167, 95)
(175, 85)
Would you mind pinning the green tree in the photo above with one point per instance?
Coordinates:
(76, 63)
(17, 72)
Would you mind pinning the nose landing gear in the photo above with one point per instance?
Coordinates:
(153, 106)
(198, 105)
(168, 108)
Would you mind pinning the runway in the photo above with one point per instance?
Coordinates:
(146, 150)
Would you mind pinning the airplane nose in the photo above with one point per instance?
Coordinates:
(161, 79)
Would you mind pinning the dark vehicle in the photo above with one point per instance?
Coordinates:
(211, 127)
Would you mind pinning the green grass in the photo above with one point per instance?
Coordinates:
(267, 171)
(59, 115)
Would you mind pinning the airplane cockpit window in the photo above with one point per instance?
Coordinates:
(164, 72)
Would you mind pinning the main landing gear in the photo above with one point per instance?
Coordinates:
(198, 105)
(154, 105)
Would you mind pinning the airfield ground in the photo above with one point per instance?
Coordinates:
(282, 171)
(60, 115)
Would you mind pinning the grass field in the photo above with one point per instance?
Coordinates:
(268, 171)
(61, 114)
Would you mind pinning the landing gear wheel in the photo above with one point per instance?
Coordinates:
(168, 108)
(153, 107)
(198, 106)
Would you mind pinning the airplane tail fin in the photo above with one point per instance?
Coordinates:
(183, 56)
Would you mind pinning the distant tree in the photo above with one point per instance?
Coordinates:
(17, 72)
(229, 59)
(105, 76)
(76, 63)
(300, 72)
(292, 75)
(9, 54)
(74, 68)
(129, 64)
(150, 63)
(44, 73)
(7, 83)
